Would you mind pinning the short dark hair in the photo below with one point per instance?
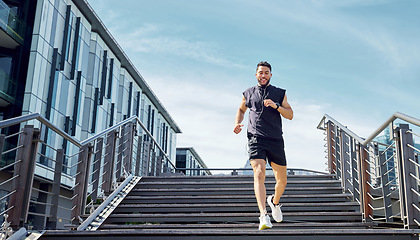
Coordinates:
(264, 64)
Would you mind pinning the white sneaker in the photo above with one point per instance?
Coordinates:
(275, 210)
(265, 222)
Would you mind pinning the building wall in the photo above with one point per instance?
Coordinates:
(188, 158)
(61, 59)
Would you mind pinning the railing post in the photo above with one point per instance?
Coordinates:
(386, 188)
(408, 184)
(159, 165)
(355, 170)
(331, 147)
(120, 148)
(109, 161)
(138, 156)
(345, 162)
(80, 189)
(97, 168)
(128, 147)
(2, 140)
(52, 222)
(146, 157)
(166, 168)
(24, 173)
(338, 155)
(152, 162)
(364, 180)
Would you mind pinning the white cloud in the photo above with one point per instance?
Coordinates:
(304, 142)
(400, 50)
(171, 40)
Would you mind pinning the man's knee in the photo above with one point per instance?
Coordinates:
(259, 174)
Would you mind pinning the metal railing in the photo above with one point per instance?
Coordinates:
(382, 171)
(49, 179)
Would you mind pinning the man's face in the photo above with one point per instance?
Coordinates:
(263, 75)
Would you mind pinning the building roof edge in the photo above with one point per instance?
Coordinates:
(99, 27)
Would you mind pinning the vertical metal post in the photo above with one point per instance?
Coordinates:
(138, 157)
(109, 161)
(152, 162)
(166, 169)
(146, 158)
(386, 188)
(354, 170)
(338, 154)
(80, 189)
(24, 173)
(120, 154)
(330, 146)
(159, 165)
(52, 222)
(364, 180)
(409, 184)
(96, 168)
(2, 140)
(128, 147)
(345, 162)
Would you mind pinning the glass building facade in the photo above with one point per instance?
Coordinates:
(16, 21)
(188, 158)
(74, 73)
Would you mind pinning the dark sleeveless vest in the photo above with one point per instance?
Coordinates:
(264, 121)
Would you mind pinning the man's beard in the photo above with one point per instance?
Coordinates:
(264, 85)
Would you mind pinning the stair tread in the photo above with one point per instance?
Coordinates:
(251, 196)
(233, 231)
(173, 205)
(228, 189)
(242, 225)
(166, 215)
(251, 181)
(233, 176)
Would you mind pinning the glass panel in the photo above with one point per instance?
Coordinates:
(11, 23)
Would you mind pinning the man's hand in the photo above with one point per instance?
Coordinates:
(270, 103)
(238, 128)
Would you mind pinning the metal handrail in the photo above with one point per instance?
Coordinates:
(364, 142)
(43, 120)
(383, 175)
(348, 131)
(108, 130)
(17, 120)
(154, 140)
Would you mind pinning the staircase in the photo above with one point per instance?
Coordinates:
(224, 207)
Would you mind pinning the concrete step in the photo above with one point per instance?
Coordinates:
(236, 234)
(234, 207)
(180, 178)
(287, 198)
(243, 190)
(283, 225)
(233, 184)
(230, 217)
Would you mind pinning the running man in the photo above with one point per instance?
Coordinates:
(265, 139)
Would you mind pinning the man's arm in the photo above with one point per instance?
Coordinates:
(240, 116)
(284, 109)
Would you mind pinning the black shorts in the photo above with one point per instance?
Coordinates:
(267, 149)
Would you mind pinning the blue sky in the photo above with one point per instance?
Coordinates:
(356, 60)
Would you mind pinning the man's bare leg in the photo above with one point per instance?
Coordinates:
(280, 173)
(258, 165)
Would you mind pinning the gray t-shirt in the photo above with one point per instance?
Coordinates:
(264, 121)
